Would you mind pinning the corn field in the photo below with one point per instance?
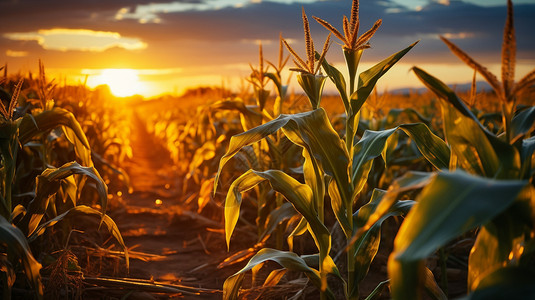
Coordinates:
(272, 194)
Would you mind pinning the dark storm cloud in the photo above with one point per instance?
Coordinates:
(196, 34)
(483, 27)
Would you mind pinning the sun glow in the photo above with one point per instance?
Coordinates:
(122, 82)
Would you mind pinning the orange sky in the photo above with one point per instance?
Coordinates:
(173, 45)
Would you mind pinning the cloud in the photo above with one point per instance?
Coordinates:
(208, 40)
(78, 39)
(12, 53)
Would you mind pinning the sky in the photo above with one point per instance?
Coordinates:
(174, 45)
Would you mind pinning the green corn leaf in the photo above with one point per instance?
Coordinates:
(33, 125)
(493, 245)
(250, 117)
(505, 283)
(288, 260)
(276, 81)
(300, 229)
(431, 146)
(478, 150)
(444, 92)
(8, 150)
(282, 213)
(376, 293)
(526, 154)
(313, 86)
(502, 241)
(409, 181)
(368, 244)
(48, 183)
(369, 78)
(313, 174)
(523, 123)
(311, 130)
(450, 205)
(366, 84)
(274, 277)
(300, 195)
(432, 287)
(249, 137)
(339, 81)
(82, 152)
(413, 115)
(85, 210)
(245, 182)
(373, 143)
(339, 209)
(14, 240)
(370, 146)
(315, 133)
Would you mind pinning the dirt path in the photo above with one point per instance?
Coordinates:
(185, 247)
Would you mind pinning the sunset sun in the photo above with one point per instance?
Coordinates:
(122, 82)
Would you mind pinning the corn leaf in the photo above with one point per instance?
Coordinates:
(32, 125)
(501, 242)
(84, 210)
(282, 213)
(300, 229)
(431, 146)
(311, 130)
(250, 117)
(373, 143)
(444, 92)
(369, 78)
(339, 81)
(251, 136)
(312, 173)
(413, 115)
(479, 151)
(339, 208)
(245, 182)
(48, 183)
(526, 153)
(300, 195)
(450, 205)
(493, 245)
(274, 277)
(376, 293)
(288, 260)
(82, 152)
(14, 240)
(432, 287)
(8, 150)
(315, 133)
(523, 123)
(506, 283)
(367, 245)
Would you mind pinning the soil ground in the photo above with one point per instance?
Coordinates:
(180, 246)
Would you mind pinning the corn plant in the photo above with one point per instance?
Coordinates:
(333, 166)
(56, 191)
(497, 198)
(276, 152)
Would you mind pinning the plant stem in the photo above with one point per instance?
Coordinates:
(352, 289)
(507, 114)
